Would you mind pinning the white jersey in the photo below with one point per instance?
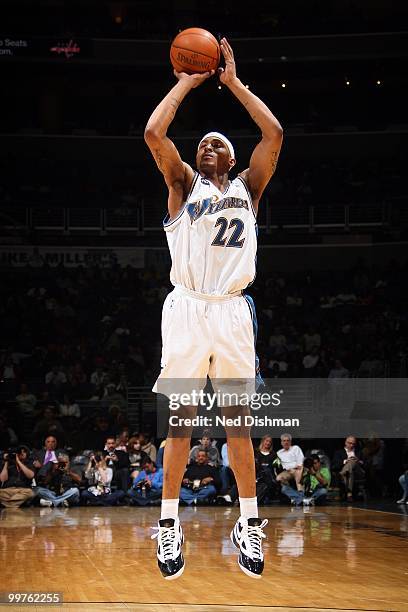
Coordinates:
(213, 239)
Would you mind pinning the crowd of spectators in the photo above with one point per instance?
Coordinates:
(120, 471)
(46, 182)
(83, 334)
(75, 339)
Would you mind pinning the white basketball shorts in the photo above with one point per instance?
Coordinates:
(206, 335)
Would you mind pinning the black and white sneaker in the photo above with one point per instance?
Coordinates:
(169, 542)
(247, 535)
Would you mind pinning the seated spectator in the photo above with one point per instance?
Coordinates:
(60, 486)
(115, 397)
(345, 297)
(100, 475)
(348, 463)
(69, 408)
(122, 440)
(26, 401)
(118, 419)
(96, 438)
(372, 366)
(373, 455)
(9, 371)
(310, 339)
(16, 478)
(76, 375)
(137, 457)
(278, 368)
(118, 461)
(226, 475)
(310, 361)
(291, 458)
(148, 485)
(200, 481)
(338, 371)
(148, 446)
(316, 482)
(44, 399)
(55, 378)
(264, 464)
(277, 341)
(44, 458)
(98, 378)
(49, 425)
(206, 443)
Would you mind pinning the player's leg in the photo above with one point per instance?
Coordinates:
(248, 532)
(169, 532)
(185, 359)
(233, 369)
(175, 458)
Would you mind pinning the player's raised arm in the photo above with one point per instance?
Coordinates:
(265, 155)
(177, 174)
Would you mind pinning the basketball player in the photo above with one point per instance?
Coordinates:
(207, 322)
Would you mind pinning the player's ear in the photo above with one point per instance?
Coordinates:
(232, 163)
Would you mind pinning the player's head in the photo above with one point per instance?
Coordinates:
(215, 153)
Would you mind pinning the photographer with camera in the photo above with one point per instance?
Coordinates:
(60, 485)
(316, 482)
(147, 486)
(118, 462)
(100, 475)
(16, 478)
(200, 481)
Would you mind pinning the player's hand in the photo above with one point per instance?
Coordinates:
(228, 74)
(194, 79)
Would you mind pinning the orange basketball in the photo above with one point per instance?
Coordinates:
(195, 50)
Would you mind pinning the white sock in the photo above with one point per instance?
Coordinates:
(249, 507)
(169, 508)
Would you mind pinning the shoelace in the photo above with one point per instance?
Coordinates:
(167, 537)
(255, 535)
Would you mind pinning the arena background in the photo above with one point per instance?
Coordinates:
(83, 258)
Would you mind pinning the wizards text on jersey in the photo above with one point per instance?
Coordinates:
(209, 206)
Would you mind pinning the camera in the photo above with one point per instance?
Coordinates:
(97, 458)
(308, 463)
(140, 484)
(11, 454)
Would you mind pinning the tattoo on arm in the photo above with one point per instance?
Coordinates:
(158, 157)
(174, 103)
(274, 160)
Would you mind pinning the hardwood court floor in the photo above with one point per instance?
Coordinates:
(331, 558)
